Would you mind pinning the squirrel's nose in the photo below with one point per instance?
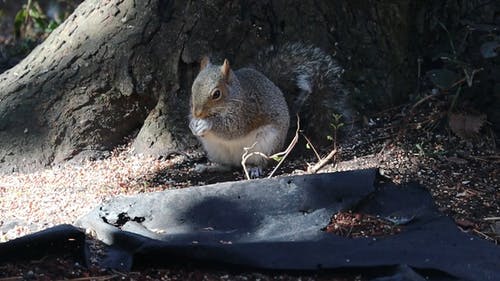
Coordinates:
(198, 113)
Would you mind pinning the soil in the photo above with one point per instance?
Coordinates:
(356, 225)
(461, 174)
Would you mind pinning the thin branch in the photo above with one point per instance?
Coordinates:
(452, 44)
(467, 79)
(282, 154)
(288, 149)
(422, 100)
(312, 147)
(247, 155)
(492, 219)
(484, 236)
(322, 162)
(28, 8)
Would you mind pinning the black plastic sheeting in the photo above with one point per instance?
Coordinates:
(59, 240)
(277, 224)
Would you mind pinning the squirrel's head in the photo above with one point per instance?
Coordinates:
(212, 88)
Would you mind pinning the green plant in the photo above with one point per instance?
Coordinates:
(336, 125)
(31, 21)
(456, 72)
(420, 148)
(462, 78)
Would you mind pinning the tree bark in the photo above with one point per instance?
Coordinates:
(121, 68)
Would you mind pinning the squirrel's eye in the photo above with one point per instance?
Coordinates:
(216, 94)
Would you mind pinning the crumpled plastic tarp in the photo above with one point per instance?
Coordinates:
(278, 224)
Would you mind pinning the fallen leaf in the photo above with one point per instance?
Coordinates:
(466, 125)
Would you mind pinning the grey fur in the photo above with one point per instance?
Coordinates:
(311, 82)
(254, 106)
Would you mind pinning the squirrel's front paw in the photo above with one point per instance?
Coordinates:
(255, 172)
(199, 127)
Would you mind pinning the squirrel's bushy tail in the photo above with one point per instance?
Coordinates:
(311, 82)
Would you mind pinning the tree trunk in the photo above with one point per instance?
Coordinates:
(118, 67)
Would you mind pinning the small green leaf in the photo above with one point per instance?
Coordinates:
(308, 146)
(277, 158)
(40, 23)
(420, 149)
(34, 13)
(51, 26)
(19, 20)
(329, 138)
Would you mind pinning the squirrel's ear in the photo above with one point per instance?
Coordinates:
(225, 69)
(204, 62)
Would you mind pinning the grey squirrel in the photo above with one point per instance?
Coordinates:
(233, 110)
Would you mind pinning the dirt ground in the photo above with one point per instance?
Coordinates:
(461, 174)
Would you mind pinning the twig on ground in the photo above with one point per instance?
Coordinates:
(323, 161)
(492, 219)
(482, 234)
(315, 168)
(422, 100)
